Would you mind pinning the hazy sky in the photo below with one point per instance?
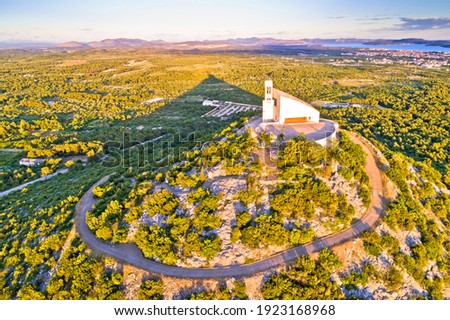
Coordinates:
(177, 20)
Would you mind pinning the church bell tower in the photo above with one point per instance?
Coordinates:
(268, 102)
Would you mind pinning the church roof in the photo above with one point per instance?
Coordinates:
(278, 93)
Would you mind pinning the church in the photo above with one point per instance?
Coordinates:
(282, 108)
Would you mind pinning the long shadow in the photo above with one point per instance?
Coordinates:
(180, 120)
(184, 112)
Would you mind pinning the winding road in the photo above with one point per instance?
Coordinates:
(129, 253)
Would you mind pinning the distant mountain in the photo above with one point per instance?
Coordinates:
(252, 43)
(124, 43)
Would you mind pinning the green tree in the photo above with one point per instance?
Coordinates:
(151, 290)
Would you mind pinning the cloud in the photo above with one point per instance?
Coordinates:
(85, 29)
(367, 23)
(431, 23)
(337, 17)
(374, 19)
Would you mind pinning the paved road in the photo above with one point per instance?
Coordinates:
(20, 187)
(131, 254)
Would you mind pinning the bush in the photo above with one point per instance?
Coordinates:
(108, 287)
(243, 219)
(197, 195)
(204, 214)
(354, 279)
(299, 200)
(30, 292)
(235, 235)
(346, 173)
(204, 295)
(305, 280)
(267, 229)
(210, 246)
(104, 233)
(372, 242)
(155, 242)
(301, 236)
(151, 290)
(329, 260)
(393, 279)
(239, 290)
(120, 235)
(162, 202)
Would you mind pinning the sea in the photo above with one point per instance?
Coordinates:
(409, 46)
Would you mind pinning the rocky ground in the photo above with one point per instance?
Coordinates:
(227, 187)
(352, 253)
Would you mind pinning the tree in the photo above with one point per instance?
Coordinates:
(329, 260)
(155, 242)
(240, 290)
(30, 292)
(393, 279)
(162, 202)
(210, 246)
(266, 138)
(301, 236)
(243, 219)
(267, 229)
(45, 171)
(306, 279)
(108, 287)
(151, 290)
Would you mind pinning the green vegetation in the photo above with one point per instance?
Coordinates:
(301, 199)
(151, 290)
(52, 108)
(413, 119)
(34, 227)
(355, 280)
(265, 229)
(223, 293)
(305, 280)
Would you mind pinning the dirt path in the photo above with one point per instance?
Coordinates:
(52, 271)
(10, 150)
(20, 187)
(131, 254)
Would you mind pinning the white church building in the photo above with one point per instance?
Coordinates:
(290, 116)
(282, 108)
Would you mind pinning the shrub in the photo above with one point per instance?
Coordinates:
(235, 235)
(243, 219)
(393, 279)
(306, 279)
(239, 290)
(151, 290)
(329, 260)
(301, 236)
(162, 202)
(210, 246)
(155, 242)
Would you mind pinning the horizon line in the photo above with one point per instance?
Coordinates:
(210, 39)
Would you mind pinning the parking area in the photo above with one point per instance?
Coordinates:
(225, 109)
